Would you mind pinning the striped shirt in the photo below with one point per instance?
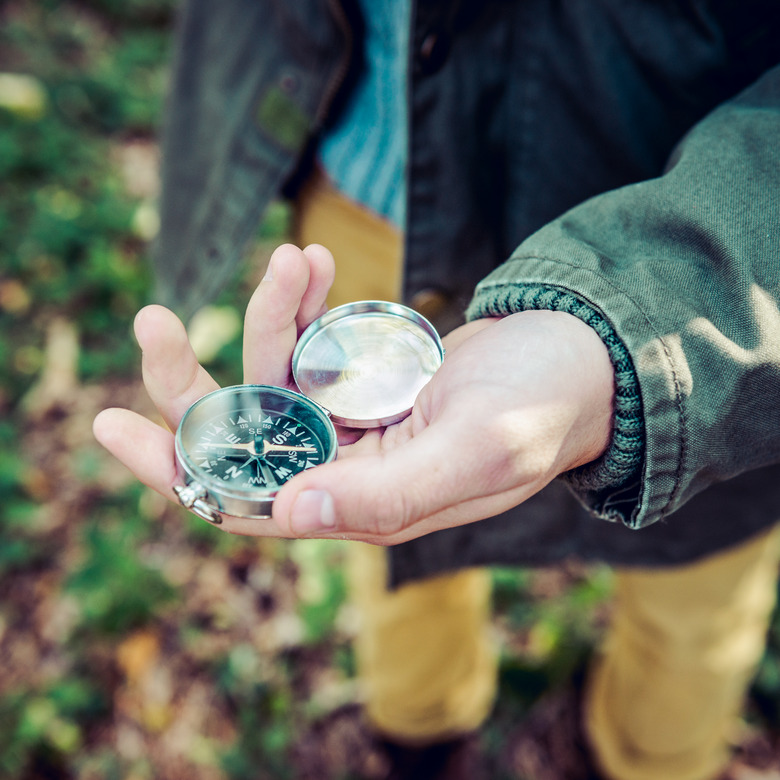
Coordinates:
(364, 154)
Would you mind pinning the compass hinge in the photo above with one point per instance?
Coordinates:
(192, 497)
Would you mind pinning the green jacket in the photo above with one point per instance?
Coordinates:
(624, 153)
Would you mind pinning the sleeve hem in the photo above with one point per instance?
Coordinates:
(618, 469)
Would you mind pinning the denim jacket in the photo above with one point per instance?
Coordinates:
(624, 153)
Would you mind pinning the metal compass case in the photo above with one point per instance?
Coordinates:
(359, 365)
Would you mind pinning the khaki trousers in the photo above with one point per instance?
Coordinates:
(666, 691)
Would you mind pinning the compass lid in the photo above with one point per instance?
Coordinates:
(366, 362)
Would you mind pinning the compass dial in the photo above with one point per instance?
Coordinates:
(255, 448)
(248, 440)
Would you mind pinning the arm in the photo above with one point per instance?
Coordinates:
(685, 271)
(686, 268)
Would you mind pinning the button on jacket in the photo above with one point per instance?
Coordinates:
(627, 153)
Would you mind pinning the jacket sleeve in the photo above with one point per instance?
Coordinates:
(685, 268)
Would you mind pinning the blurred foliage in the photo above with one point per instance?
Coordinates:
(68, 241)
(263, 714)
(117, 592)
(38, 731)
(321, 585)
(552, 620)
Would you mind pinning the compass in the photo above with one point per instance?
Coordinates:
(360, 365)
(237, 446)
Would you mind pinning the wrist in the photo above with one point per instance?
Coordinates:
(583, 379)
(623, 458)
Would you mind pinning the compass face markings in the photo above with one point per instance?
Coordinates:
(265, 476)
(229, 448)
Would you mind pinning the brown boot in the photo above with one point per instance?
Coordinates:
(455, 759)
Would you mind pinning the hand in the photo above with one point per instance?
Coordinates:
(516, 402)
(291, 296)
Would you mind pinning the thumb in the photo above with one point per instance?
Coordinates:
(378, 494)
(429, 482)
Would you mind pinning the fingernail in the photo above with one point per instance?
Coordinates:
(269, 272)
(312, 511)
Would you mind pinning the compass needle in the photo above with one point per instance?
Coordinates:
(244, 447)
(268, 447)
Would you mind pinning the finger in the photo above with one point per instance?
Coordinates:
(466, 512)
(270, 329)
(322, 272)
(141, 445)
(173, 377)
(147, 450)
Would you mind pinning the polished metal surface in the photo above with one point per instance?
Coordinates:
(366, 362)
(194, 497)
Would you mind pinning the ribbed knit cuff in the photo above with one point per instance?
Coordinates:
(621, 462)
